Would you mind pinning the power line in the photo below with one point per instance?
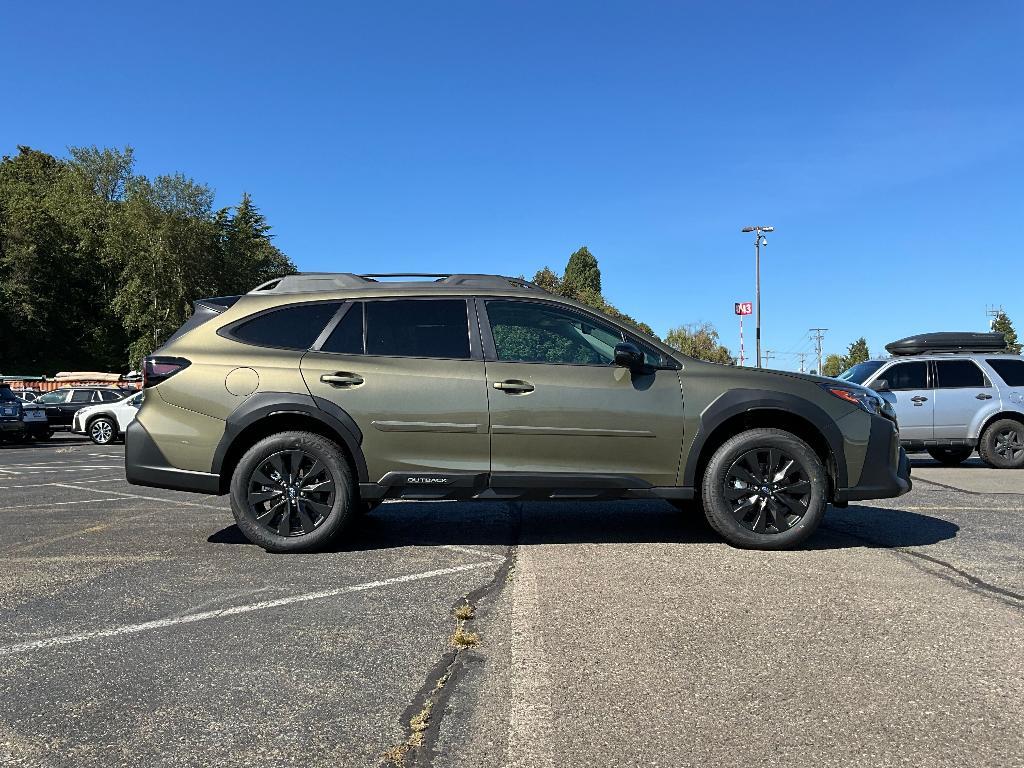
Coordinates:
(819, 335)
(802, 356)
(768, 355)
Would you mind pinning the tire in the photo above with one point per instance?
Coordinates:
(750, 504)
(45, 435)
(285, 512)
(1002, 444)
(950, 457)
(102, 431)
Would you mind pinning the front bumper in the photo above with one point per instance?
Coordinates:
(886, 472)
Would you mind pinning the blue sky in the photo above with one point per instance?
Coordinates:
(883, 141)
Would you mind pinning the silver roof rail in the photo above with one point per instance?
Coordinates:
(311, 282)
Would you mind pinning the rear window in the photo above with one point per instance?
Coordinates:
(6, 396)
(292, 327)
(417, 328)
(957, 374)
(1010, 371)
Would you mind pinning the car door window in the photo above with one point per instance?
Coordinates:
(436, 328)
(109, 396)
(81, 396)
(907, 375)
(532, 332)
(959, 374)
(347, 338)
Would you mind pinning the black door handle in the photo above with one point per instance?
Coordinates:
(983, 396)
(918, 399)
(342, 379)
(514, 387)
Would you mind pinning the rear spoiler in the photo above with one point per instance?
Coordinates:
(203, 310)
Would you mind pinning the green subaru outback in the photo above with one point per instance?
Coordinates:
(316, 396)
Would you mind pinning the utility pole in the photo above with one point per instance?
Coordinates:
(993, 312)
(759, 240)
(768, 355)
(819, 334)
(802, 356)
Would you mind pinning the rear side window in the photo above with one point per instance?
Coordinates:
(1010, 371)
(347, 336)
(907, 375)
(293, 327)
(417, 328)
(81, 396)
(958, 374)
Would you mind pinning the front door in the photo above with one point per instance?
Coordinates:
(559, 405)
(404, 370)
(915, 400)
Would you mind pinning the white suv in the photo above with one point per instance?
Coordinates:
(950, 402)
(106, 422)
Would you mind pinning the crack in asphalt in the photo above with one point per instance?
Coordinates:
(974, 584)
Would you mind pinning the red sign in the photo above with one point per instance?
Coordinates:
(744, 308)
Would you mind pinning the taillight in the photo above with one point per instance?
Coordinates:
(156, 369)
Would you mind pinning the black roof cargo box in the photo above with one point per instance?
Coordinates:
(948, 342)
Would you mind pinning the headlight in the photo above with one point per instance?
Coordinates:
(863, 399)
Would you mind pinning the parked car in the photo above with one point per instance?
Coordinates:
(106, 422)
(316, 396)
(953, 393)
(12, 426)
(62, 404)
(26, 395)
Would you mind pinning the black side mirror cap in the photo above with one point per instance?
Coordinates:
(628, 355)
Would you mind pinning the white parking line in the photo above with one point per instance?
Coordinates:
(43, 485)
(119, 494)
(472, 551)
(130, 629)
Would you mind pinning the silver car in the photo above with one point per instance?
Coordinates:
(949, 403)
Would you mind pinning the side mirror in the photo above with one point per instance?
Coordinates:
(880, 385)
(628, 355)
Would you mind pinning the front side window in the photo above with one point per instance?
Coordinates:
(957, 374)
(907, 375)
(530, 332)
(52, 398)
(417, 328)
(1009, 370)
(292, 327)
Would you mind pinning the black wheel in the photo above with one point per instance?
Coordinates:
(102, 431)
(1002, 444)
(292, 492)
(950, 457)
(44, 436)
(765, 489)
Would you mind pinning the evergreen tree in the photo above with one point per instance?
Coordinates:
(699, 340)
(582, 275)
(857, 352)
(1002, 324)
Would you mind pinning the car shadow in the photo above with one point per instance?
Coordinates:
(926, 462)
(407, 524)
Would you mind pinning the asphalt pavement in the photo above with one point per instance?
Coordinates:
(138, 628)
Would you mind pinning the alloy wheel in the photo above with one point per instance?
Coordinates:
(1010, 444)
(768, 490)
(101, 431)
(291, 493)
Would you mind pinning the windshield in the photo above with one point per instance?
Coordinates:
(861, 372)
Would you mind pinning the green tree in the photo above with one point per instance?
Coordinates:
(582, 275)
(1002, 324)
(699, 340)
(857, 352)
(548, 280)
(834, 365)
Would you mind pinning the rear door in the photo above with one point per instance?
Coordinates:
(961, 390)
(411, 375)
(559, 405)
(915, 403)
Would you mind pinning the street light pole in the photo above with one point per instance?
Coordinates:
(759, 240)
